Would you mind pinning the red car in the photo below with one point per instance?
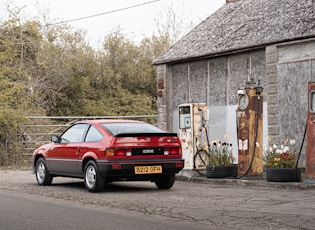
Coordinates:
(101, 151)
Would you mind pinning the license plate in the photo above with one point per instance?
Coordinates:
(148, 169)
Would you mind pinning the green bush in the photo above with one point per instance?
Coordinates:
(10, 121)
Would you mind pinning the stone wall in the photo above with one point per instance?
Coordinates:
(272, 89)
(283, 69)
(162, 81)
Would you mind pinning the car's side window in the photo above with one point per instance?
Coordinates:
(74, 134)
(93, 135)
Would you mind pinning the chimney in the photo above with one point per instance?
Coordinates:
(228, 1)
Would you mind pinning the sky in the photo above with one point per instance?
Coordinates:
(135, 22)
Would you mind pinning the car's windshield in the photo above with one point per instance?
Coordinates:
(128, 127)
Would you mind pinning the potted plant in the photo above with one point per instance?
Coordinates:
(280, 162)
(221, 160)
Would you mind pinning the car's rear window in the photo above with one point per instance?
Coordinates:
(125, 127)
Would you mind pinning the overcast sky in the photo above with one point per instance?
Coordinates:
(136, 22)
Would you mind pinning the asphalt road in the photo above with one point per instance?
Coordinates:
(140, 205)
(29, 212)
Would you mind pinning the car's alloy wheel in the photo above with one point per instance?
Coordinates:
(42, 175)
(92, 180)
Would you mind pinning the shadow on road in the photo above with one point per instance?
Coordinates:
(117, 187)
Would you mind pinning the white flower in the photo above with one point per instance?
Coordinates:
(279, 151)
(281, 146)
(292, 142)
(274, 146)
(286, 149)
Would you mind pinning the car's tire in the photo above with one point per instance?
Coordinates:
(43, 176)
(165, 181)
(93, 181)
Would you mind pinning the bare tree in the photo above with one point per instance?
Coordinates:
(171, 24)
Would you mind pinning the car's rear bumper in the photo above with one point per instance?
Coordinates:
(126, 170)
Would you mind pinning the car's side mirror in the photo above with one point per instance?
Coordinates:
(55, 139)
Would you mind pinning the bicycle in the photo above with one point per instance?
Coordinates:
(202, 156)
(201, 160)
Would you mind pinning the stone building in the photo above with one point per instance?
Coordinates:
(270, 40)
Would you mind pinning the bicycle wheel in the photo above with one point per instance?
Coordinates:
(201, 160)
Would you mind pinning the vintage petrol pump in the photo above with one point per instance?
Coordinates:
(310, 139)
(250, 130)
(192, 116)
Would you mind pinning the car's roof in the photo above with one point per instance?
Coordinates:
(104, 121)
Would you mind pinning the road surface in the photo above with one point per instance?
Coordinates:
(140, 205)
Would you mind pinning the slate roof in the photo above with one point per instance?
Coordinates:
(245, 24)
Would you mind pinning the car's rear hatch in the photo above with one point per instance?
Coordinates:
(147, 144)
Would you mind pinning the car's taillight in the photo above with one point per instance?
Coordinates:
(173, 151)
(110, 152)
(180, 151)
(120, 152)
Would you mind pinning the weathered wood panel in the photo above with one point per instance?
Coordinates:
(238, 75)
(180, 85)
(217, 81)
(258, 68)
(198, 81)
(292, 97)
